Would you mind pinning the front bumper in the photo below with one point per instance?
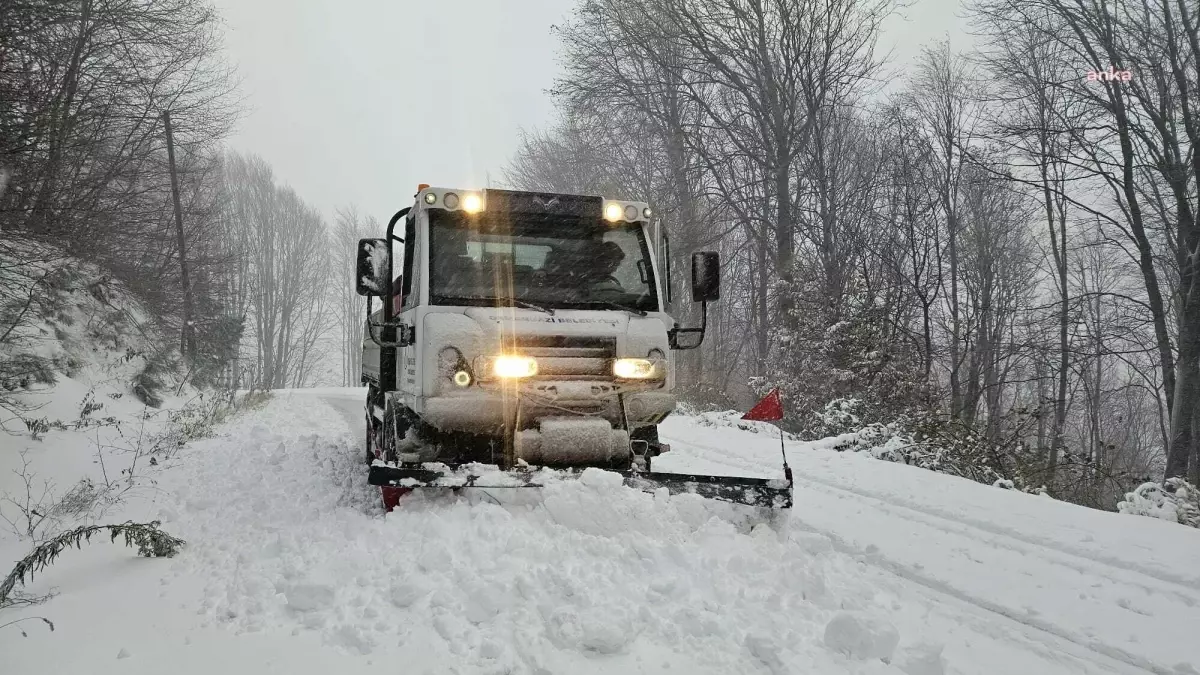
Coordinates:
(494, 407)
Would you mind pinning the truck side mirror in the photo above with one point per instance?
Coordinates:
(371, 271)
(706, 276)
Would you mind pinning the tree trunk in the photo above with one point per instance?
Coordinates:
(1187, 387)
(957, 403)
(187, 338)
(1058, 241)
(785, 242)
(764, 307)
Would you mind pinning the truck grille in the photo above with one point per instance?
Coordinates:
(582, 358)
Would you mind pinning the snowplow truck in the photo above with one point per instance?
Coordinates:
(523, 337)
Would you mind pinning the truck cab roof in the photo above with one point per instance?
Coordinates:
(531, 204)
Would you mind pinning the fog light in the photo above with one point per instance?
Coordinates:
(646, 213)
(430, 197)
(631, 212)
(450, 200)
(462, 378)
(634, 369)
(514, 366)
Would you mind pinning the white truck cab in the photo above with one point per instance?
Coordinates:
(520, 329)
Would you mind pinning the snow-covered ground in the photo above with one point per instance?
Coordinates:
(292, 567)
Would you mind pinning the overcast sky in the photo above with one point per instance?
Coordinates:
(358, 101)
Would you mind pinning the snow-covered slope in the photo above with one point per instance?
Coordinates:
(80, 359)
(880, 568)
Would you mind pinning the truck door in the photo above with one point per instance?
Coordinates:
(407, 302)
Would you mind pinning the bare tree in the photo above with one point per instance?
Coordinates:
(942, 99)
(1136, 142)
(286, 248)
(349, 307)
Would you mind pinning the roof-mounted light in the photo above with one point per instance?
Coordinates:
(470, 202)
(613, 212)
(631, 212)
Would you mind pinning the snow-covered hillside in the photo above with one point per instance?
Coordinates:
(291, 566)
(88, 385)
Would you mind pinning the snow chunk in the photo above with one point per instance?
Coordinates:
(354, 638)
(309, 597)
(404, 594)
(861, 636)
(922, 658)
(601, 479)
(605, 634)
(766, 651)
(601, 630)
(812, 542)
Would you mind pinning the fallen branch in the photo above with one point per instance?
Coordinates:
(43, 619)
(151, 542)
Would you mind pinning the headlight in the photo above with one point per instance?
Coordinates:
(514, 366)
(634, 369)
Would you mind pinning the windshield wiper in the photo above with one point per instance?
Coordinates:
(616, 305)
(492, 298)
(529, 305)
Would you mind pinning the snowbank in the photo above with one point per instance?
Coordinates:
(733, 419)
(288, 536)
(1174, 501)
(79, 358)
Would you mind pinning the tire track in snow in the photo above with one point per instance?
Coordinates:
(1053, 634)
(1133, 575)
(1036, 545)
(1097, 654)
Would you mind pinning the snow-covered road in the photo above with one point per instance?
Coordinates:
(292, 567)
(1064, 581)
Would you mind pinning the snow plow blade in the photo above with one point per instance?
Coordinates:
(767, 492)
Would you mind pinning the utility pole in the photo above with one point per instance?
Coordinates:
(187, 340)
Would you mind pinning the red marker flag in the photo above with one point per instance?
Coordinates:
(769, 409)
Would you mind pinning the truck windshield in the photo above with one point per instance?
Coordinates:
(588, 265)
